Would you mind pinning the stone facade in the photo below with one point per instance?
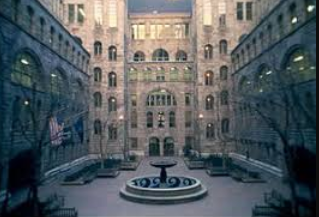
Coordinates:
(43, 75)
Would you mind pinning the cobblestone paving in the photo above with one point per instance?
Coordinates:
(226, 198)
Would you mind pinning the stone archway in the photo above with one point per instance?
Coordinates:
(169, 147)
(154, 147)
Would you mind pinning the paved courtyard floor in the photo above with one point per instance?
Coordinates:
(226, 198)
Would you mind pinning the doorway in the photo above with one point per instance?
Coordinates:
(154, 147)
(169, 147)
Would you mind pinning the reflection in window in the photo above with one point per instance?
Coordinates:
(264, 79)
(174, 74)
(98, 75)
(98, 100)
(181, 56)
(208, 13)
(112, 79)
(160, 55)
(209, 78)
(210, 132)
(161, 98)
(139, 57)
(208, 52)
(112, 53)
(112, 13)
(112, 104)
(224, 73)
(210, 103)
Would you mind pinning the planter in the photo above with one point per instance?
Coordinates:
(217, 171)
(195, 164)
(130, 165)
(108, 173)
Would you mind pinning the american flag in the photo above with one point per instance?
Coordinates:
(57, 131)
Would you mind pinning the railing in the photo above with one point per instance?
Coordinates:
(65, 212)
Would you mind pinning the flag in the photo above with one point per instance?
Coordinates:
(79, 128)
(56, 131)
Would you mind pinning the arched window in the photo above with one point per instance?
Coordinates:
(281, 25)
(98, 48)
(172, 120)
(139, 56)
(16, 10)
(210, 132)
(210, 101)
(60, 45)
(112, 132)
(294, 19)
(112, 53)
(112, 104)
(42, 29)
(300, 67)
(209, 78)
(270, 34)
(160, 55)
(150, 120)
(112, 79)
(161, 98)
(98, 100)
(209, 52)
(26, 71)
(224, 97)
(225, 126)
(264, 79)
(188, 74)
(223, 47)
(52, 37)
(98, 75)
(174, 74)
(181, 56)
(224, 73)
(97, 127)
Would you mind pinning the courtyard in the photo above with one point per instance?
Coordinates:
(227, 198)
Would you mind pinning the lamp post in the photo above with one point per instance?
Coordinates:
(200, 119)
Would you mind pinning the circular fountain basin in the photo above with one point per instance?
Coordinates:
(150, 190)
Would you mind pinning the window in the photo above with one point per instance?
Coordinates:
(225, 126)
(210, 132)
(245, 85)
(223, 47)
(310, 7)
(270, 34)
(181, 56)
(112, 13)
(30, 21)
(98, 75)
(188, 74)
(134, 120)
(224, 97)
(134, 100)
(112, 104)
(60, 45)
(98, 100)
(112, 79)
(148, 74)
(161, 98)
(71, 13)
(172, 120)
(222, 13)
(209, 50)
(249, 11)
(224, 73)
(98, 48)
(97, 127)
(208, 13)
(264, 79)
(188, 119)
(181, 31)
(174, 74)
(240, 11)
(161, 120)
(294, 19)
(112, 53)
(98, 12)
(26, 71)
(209, 78)
(300, 67)
(134, 143)
(16, 10)
(42, 28)
(58, 86)
(133, 74)
(210, 103)
(139, 57)
(160, 74)
(81, 13)
(138, 31)
(52, 37)
(248, 49)
(281, 26)
(150, 120)
(255, 49)
(262, 42)
(112, 132)
(188, 99)
(160, 55)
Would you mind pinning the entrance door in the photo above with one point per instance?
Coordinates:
(154, 148)
(169, 147)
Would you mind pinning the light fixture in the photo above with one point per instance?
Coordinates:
(294, 20)
(302, 68)
(311, 8)
(121, 118)
(82, 12)
(201, 116)
(299, 58)
(25, 62)
(53, 75)
(26, 102)
(269, 73)
(313, 68)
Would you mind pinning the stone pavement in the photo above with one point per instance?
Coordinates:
(226, 198)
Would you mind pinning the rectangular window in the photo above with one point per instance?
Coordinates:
(113, 14)
(249, 11)
(138, 31)
(188, 99)
(188, 119)
(71, 13)
(98, 12)
(208, 13)
(81, 13)
(222, 13)
(134, 143)
(134, 100)
(153, 32)
(240, 11)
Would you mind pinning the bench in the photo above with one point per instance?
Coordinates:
(265, 211)
(64, 212)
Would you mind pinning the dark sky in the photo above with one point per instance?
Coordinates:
(146, 6)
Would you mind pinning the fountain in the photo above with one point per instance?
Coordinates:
(163, 189)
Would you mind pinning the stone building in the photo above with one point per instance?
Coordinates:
(44, 75)
(160, 72)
